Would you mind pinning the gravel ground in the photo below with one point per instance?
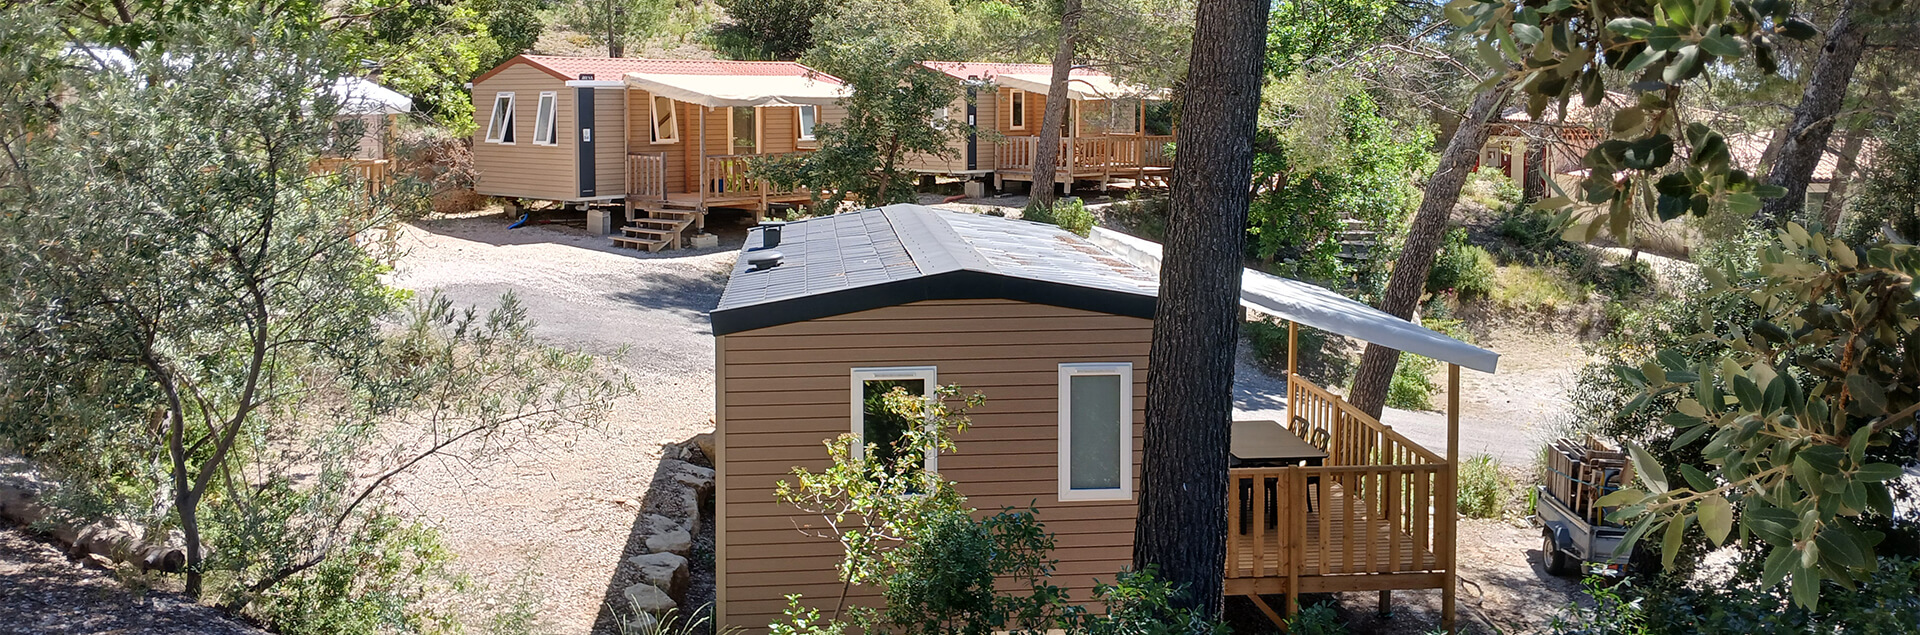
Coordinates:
(563, 517)
(43, 592)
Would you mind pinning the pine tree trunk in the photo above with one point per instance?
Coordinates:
(1843, 169)
(1182, 524)
(1409, 277)
(1813, 118)
(1046, 155)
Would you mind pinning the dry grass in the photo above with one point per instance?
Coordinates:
(1535, 289)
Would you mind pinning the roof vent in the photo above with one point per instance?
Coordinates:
(763, 259)
(770, 233)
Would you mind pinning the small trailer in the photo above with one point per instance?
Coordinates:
(1576, 538)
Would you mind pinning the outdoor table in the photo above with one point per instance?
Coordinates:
(1264, 443)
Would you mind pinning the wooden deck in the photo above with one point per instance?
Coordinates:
(1378, 516)
(1101, 158)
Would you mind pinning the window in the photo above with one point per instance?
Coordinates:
(872, 422)
(500, 125)
(666, 126)
(1096, 431)
(1017, 109)
(1121, 116)
(942, 118)
(808, 116)
(543, 128)
(744, 127)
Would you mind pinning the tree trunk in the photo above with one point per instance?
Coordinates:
(1813, 118)
(1046, 154)
(1182, 524)
(1409, 277)
(1843, 169)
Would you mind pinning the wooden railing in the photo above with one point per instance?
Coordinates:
(376, 173)
(647, 176)
(1351, 437)
(727, 177)
(1156, 151)
(1364, 519)
(1088, 154)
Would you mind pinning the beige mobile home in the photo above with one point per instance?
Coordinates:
(1106, 134)
(1054, 329)
(661, 141)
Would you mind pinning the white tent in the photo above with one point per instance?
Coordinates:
(362, 97)
(722, 91)
(1319, 308)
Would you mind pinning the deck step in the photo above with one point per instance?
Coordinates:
(649, 232)
(650, 245)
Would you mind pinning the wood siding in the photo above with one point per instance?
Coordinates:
(609, 141)
(784, 390)
(524, 169)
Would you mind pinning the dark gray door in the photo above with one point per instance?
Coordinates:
(583, 111)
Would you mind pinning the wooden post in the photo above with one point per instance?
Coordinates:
(705, 111)
(1451, 519)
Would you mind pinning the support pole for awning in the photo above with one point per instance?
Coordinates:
(1451, 519)
(705, 111)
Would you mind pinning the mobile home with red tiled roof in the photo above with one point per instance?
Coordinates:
(664, 141)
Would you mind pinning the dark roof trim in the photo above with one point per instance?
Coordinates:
(960, 284)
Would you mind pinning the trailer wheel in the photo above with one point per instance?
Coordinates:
(1556, 561)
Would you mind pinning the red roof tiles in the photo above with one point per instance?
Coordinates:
(611, 68)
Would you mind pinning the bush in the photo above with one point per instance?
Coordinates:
(1069, 213)
(1483, 489)
(1527, 288)
(1492, 188)
(1412, 386)
(1889, 602)
(1319, 619)
(1465, 269)
(1529, 231)
(1145, 217)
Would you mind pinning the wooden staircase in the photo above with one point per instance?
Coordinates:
(661, 228)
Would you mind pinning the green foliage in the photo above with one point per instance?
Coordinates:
(1531, 232)
(1144, 216)
(218, 354)
(1483, 489)
(1069, 213)
(1319, 359)
(1317, 619)
(1300, 33)
(1888, 602)
(1614, 612)
(776, 29)
(631, 22)
(373, 584)
(1327, 155)
(1799, 417)
(876, 47)
(1534, 289)
(1888, 197)
(1465, 269)
(1412, 386)
(908, 531)
(1576, 48)
(1492, 189)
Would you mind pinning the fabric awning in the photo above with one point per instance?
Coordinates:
(1315, 306)
(721, 91)
(1079, 87)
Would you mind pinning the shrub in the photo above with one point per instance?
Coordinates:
(1529, 231)
(1412, 386)
(1145, 217)
(1528, 288)
(1319, 359)
(1069, 213)
(1483, 489)
(1465, 269)
(1319, 619)
(1492, 188)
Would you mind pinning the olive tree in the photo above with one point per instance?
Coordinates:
(1800, 411)
(196, 335)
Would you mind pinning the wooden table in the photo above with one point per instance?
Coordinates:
(1269, 444)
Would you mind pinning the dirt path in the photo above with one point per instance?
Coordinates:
(562, 518)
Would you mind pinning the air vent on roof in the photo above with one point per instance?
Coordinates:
(763, 259)
(770, 233)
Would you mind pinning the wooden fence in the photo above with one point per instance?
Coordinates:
(728, 178)
(647, 176)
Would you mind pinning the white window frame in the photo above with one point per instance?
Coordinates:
(548, 115)
(801, 130)
(498, 128)
(1016, 95)
(673, 120)
(1124, 370)
(929, 376)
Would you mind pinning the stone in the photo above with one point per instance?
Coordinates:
(697, 478)
(641, 623)
(599, 221)
(655, 524)
(704, 441)
(704, 241)
(665, 570)
(647, 598)
(676, 541)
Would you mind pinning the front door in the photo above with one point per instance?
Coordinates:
(583, 113)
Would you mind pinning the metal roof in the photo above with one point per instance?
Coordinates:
(843, 263)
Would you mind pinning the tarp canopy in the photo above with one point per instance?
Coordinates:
(1315, 306)
(361, 97)
(1079, 87)
(721, 91)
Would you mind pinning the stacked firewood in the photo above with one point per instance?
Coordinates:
(1580, 473)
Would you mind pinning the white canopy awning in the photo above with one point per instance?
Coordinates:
(1079, 86)
(719, 91)
(1315, 306)
(362, 97)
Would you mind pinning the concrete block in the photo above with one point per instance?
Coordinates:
(599, 221)
(704, 241)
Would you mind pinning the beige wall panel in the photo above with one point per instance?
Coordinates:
(787, 389)
(609, 141)
(525, 170)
